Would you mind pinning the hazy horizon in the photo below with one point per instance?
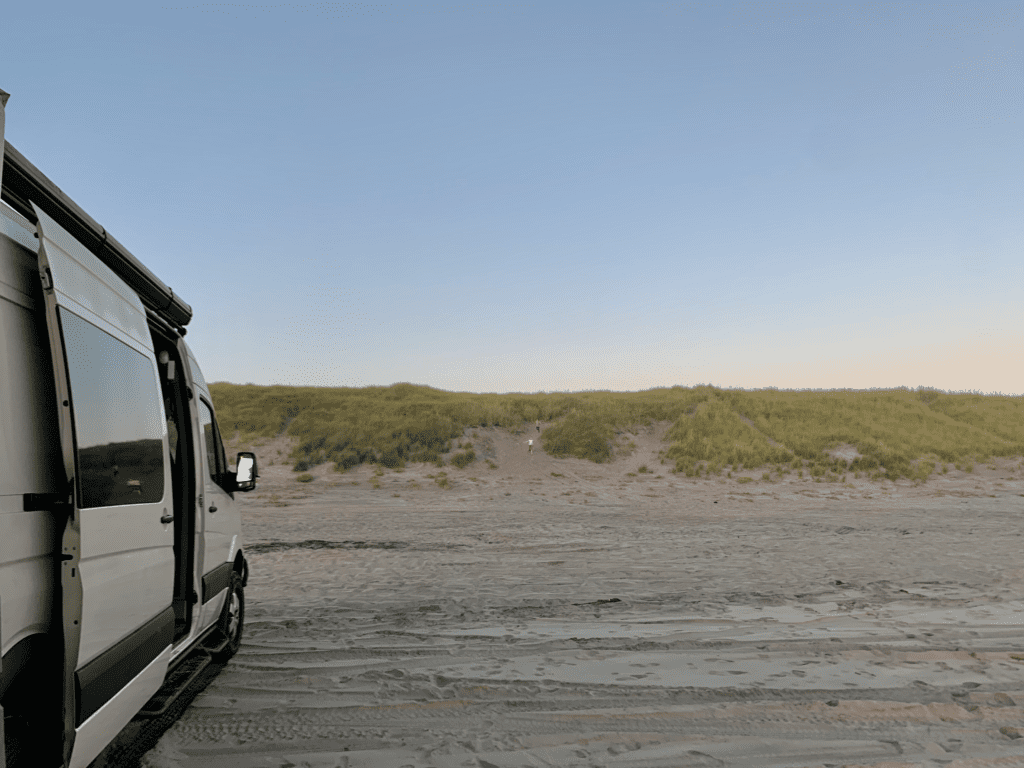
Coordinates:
(565, 197)
(919, 388)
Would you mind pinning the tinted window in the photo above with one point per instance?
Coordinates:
(215, 459)
(197, 374)
(118, 417)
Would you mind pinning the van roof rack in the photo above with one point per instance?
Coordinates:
(23, 182)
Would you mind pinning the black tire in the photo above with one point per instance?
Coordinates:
(232, 620)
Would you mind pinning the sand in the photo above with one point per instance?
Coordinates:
(597, 619)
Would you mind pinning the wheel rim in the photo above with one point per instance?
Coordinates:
(234, 616)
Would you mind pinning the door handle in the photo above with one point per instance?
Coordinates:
(167, 519)
(212, 509)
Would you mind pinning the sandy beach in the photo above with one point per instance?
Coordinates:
(555, 612)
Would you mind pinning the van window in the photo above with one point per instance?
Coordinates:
(118, 417)
(216, 461)
(197, 373)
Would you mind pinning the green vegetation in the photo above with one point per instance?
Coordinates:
(584, 435)
(441, 478)
(305, 478)
(463, 460)
(898, 433)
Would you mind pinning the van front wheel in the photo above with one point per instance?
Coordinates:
(232, 618)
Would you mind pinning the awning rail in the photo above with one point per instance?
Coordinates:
(23, 182)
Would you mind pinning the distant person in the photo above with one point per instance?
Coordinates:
(538, 425)
(530, 444)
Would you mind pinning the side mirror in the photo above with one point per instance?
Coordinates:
(245, 477)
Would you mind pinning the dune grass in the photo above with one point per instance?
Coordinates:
(899, 432)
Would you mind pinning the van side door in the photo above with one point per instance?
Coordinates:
(221, 518)
(117, 555)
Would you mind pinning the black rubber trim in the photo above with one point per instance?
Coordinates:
(42, 502)
(215, 581)
(104, 677)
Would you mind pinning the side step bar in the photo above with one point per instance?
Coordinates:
(180, 678)
(186, 679)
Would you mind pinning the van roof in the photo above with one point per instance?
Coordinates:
(24, 184)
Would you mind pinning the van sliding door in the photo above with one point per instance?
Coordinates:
(117, 549)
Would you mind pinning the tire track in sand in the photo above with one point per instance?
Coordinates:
(608, 638)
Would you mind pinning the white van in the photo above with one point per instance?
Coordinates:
(120, 546)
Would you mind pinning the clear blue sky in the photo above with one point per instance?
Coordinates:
(496, 197)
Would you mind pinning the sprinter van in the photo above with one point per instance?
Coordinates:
(120, 538)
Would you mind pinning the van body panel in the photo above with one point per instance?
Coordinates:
(89, 288)
(28, 464)
(26, 375)
(19, 229)
(27, 402)
(27, 544)
(220, 513)
(95, 733)
(19, 272)
(102, 678)
(217, 526)
(221, 518)
(120, 592)
(117, 556)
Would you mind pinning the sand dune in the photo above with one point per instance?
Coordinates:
(596, 619)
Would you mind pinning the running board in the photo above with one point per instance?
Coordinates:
(180, 678)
